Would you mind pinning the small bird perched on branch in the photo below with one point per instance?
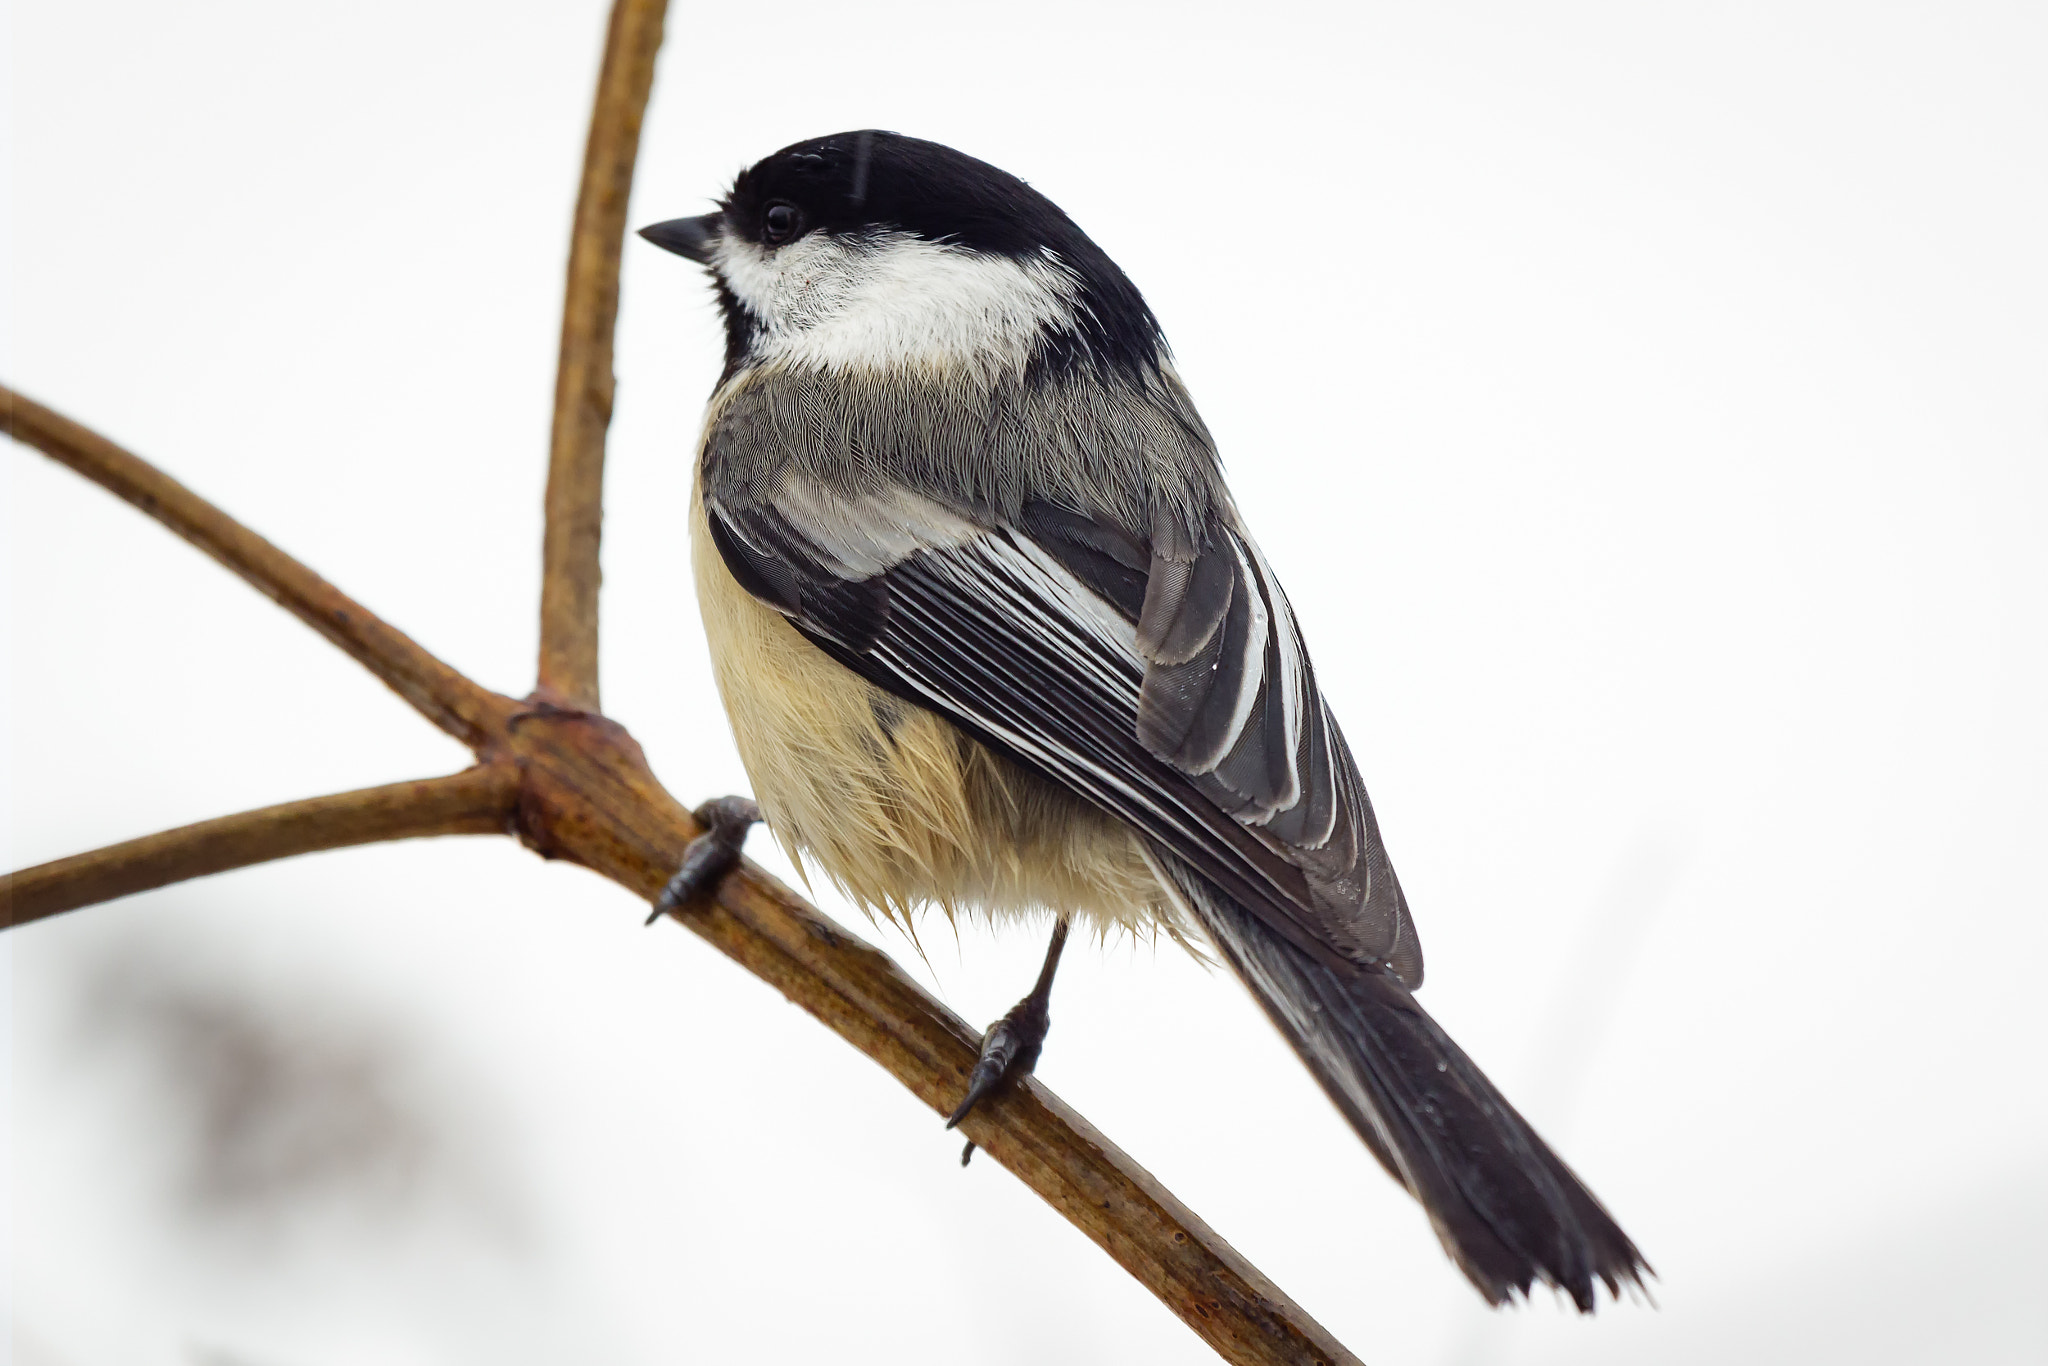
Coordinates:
(992, 635)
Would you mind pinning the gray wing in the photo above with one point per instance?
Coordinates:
(1161, 677)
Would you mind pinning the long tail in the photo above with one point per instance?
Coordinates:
(1508, 1210)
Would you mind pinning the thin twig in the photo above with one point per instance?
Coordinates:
(584, 381)
(477, 801)
(444, 696)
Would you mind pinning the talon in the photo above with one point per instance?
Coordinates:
(1010, 1048)
(711, 855)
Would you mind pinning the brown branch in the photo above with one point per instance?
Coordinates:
(590, 797)
(445, 697)
(586, 794)
(478, 801)
(584, 381)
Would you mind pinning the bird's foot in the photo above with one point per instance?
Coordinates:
(711, 855)
(1009, 1050)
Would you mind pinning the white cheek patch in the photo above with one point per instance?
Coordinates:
(896, 301)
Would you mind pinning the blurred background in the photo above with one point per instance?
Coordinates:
(1646, 407)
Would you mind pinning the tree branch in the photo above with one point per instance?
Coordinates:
(585, 793)
(447, 698)
(477, 801)
(590, 797)
(584, 381)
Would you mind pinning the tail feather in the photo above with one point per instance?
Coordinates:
(1508, 1210)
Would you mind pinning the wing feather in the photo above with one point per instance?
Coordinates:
(1166, 682)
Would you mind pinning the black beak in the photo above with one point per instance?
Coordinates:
(691, 237)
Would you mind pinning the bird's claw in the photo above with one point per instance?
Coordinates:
(1011, 1046)
(1009, 1050)
(711, 855)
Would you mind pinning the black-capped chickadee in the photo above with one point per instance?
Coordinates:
(992, 636)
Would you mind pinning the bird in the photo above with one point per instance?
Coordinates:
(993, 637)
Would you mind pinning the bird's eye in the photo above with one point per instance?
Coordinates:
(780, 223)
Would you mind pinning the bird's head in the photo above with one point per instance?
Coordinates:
(871, 251)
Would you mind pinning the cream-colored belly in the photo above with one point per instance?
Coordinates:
(895, 805)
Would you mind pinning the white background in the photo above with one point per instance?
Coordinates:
(1646, 406)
